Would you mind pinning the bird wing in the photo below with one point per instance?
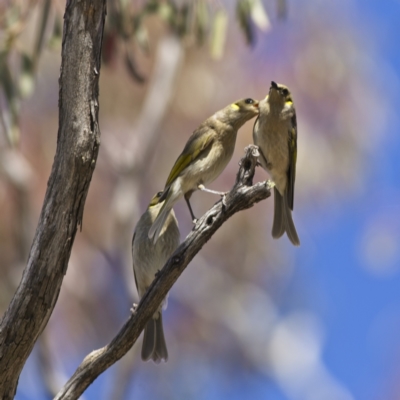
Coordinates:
(197, 143)
(255, 128)
(134, 274)
(292, 142)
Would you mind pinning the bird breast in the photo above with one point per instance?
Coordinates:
(272, 138)
(149, 258)
(210, 164)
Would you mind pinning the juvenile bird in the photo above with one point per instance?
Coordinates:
(275, 133)
(148, 259)
(205, 156)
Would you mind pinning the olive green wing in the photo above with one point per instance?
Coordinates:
(201, 139)
(255, 128)
(292, 144)
(261, 157)
(134, 274)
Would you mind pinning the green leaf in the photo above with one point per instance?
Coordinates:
(124, 4)
(259, 15)
(132, 68)
(26, 79)
(243, 13)
(201, 21)
(218, 34)
(9, 115)
(41, 33)
(10, 128)
(182, 23)
(56, 37)
(142, 39)
(151, 6)
(166, 12)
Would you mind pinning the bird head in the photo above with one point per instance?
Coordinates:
(279, 94)
(155, 200)
(242, 110)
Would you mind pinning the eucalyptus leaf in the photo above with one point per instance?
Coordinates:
(201, 21)
(132, 67)
(218, 34)
(182, 21)
(166, 12)
(26, 78)
(151, 6)
(41, 33)
(243, 13)
(56, 37)
(142, 39)
(7, 83)
(259, 15)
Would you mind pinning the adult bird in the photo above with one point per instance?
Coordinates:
(148, 259)
(205, 156)
(275, 133)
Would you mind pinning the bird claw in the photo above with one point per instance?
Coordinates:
(134, 308)
(194, 220)
(204, 189)
(270, 184)
(223, 198)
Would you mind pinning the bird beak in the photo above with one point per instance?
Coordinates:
(256, 104)
(274, 85)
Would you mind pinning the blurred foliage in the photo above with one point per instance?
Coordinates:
(194, 22)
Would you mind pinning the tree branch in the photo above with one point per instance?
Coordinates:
(242, 196)
(75, 159)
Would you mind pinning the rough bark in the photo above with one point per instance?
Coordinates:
(242, 196)
(74, 162)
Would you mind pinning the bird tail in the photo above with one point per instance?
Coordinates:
(159, 222)
(283, 221)
(154, 346)
(278, 226)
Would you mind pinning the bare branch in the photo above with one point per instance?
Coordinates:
(75, 159)
(242, 196)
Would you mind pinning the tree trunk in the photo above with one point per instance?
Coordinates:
(75, 159)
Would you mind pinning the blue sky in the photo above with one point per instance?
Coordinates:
(361, 309)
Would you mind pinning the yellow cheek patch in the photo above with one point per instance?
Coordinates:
(234, 106)
(154, 201)
(289, 102)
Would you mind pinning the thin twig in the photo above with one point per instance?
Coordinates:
(242, 196)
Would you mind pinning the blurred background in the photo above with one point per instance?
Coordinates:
(251, 317)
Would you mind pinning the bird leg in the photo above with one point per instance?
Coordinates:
(194, 219)
(134, 307)
(204, 189)
(270, 184)
(222, 194)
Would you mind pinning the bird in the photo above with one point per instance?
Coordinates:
(148, 259)
(204, 157)
(275, 134)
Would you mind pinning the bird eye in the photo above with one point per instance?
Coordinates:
(159, 194)
(285, 92)
(249, 101)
